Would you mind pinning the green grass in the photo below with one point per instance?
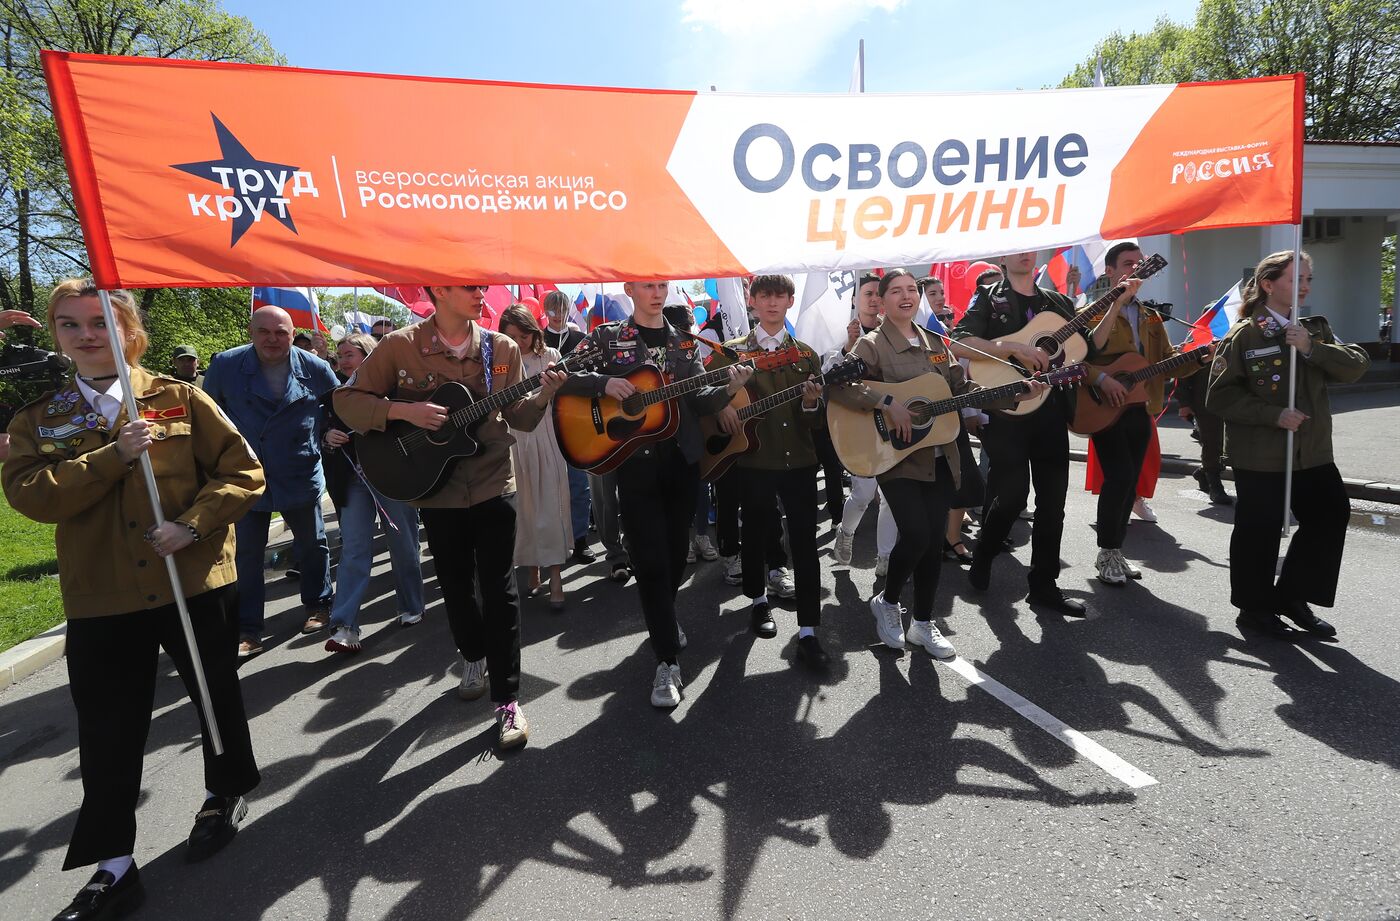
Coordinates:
(29, 598)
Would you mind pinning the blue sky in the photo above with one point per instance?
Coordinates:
(737, 45)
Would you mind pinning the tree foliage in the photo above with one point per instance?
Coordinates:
(1349, 49)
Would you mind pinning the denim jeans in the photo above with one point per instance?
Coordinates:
(357, 554)
(579, 503)
(312, 554)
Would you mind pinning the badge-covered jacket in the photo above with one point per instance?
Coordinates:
(784, 433)
(409, 364)
(893, 359)
(625, 351)
(283, 429)
(64, 469)
(1249, 390)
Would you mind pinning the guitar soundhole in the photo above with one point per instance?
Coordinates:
(717, 443)
(921, 420)
(620, 429)
(633, 405)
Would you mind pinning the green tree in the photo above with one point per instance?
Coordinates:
(1388, 273)
(39, 234)
(335, 306)
(1349, 49)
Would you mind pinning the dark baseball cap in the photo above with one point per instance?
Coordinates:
(184, 351)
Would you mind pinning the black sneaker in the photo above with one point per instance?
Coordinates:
(1050, 598)
(1262, 622)
(582, 555)
(215, 826)
(761, 620)
(105, 896)
(1303, 616)
(811, 653)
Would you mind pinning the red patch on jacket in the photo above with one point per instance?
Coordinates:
(500, 369)
(174, 412)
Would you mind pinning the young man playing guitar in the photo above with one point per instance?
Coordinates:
(1023, 449)
(1127, 326)
(470, 519)
(657, 484)
(783, 468)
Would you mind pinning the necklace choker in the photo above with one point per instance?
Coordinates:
(93, 380)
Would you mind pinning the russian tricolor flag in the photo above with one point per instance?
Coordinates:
(300, 303)
(1215, 322)
(1056, 271)
(606, 309)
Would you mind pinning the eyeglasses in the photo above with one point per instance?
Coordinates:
(945, 316)
(481, 288)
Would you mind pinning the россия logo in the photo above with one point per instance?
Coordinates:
(255, 187)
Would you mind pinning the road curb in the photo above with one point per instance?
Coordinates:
(23, 660)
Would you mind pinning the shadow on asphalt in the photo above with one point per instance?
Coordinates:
(619, 797)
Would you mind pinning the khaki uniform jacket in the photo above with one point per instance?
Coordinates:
(1152, 331)
(408, 365)
(784, 433)
(68, 474)
(893, 359)
(1249, 390)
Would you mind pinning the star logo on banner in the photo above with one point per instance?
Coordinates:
(235, 171)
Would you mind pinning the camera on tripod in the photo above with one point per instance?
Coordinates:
(23, 365)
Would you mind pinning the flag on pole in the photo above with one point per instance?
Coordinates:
(300, 304)
(361, 321)
(733, 306)
(1216, 320)
(1056, 271)
(414, 297)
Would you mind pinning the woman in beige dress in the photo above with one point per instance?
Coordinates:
(544, 530)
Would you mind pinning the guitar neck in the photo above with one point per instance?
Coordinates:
(1165, 365)
(770, 402)
(1081, 321)
(975, 398)
(682, 387)
(501, 398)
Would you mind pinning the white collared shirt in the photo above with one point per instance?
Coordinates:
(1282, 320)
(108, 404)
(769, 343)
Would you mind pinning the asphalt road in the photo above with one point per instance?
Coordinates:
(891, 789)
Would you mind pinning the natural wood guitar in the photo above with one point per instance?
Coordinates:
(599, 433)
(406, 462)
(868, 447)
(723, 449)
(1092, 412)
(1063, 341)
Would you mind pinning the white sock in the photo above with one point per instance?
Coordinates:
(117, 866)
(208, 796)
(774, 573)
(805, 631)
(761, 599)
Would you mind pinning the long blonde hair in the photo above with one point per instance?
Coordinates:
(123, 305)
(1270, 268)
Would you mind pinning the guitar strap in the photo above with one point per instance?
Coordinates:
(486, 357)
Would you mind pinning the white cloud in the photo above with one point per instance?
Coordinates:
(749, 43)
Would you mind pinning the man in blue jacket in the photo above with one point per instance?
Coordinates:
(272, 393)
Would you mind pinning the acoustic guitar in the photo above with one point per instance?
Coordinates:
(867, 447)
(1064, 342)
(598, 433)
(1092, 412)
(722, 449)
(406, 462)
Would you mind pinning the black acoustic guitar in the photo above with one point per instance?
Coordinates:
(406, 462)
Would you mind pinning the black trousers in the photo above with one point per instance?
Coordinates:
(831, 472)
(112, 668)
(656, 498)
(1314, 559)
(1210, 429)
(728, 495)
(477, 545)
(1121, 448)
(920, 510)
(1026, 449)
(761, 491)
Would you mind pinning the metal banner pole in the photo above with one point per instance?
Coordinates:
(133, 413)
(1292, 384)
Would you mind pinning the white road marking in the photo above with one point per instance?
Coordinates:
(1086, 747)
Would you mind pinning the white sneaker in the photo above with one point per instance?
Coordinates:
(931, 638)
(344, 639)
(407, 619)
(889, 621)
(844, 544)
(681, 641)
(1129, 570)
(666, 689)
(734, 570)
(1144, 511)
(781, 583)
(690, 551)
(882, 566)
(1110, 570)
(706, 548)
(473, 680)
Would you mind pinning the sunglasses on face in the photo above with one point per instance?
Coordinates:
(481, 288)
(945, 316)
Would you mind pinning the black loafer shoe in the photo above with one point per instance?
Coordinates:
(582, 555)
(761, 620)
(810, 651)
(215, 826)
(106, 897)
(979, 574)
(1303, 616)
(1052, 599)
(1262, 622)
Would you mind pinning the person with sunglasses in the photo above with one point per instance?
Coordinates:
(470, 518)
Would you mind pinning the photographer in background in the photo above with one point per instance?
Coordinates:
(10, 318)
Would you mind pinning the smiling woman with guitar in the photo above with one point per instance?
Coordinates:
(468, 506)
(658, 478)
(920, 487)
